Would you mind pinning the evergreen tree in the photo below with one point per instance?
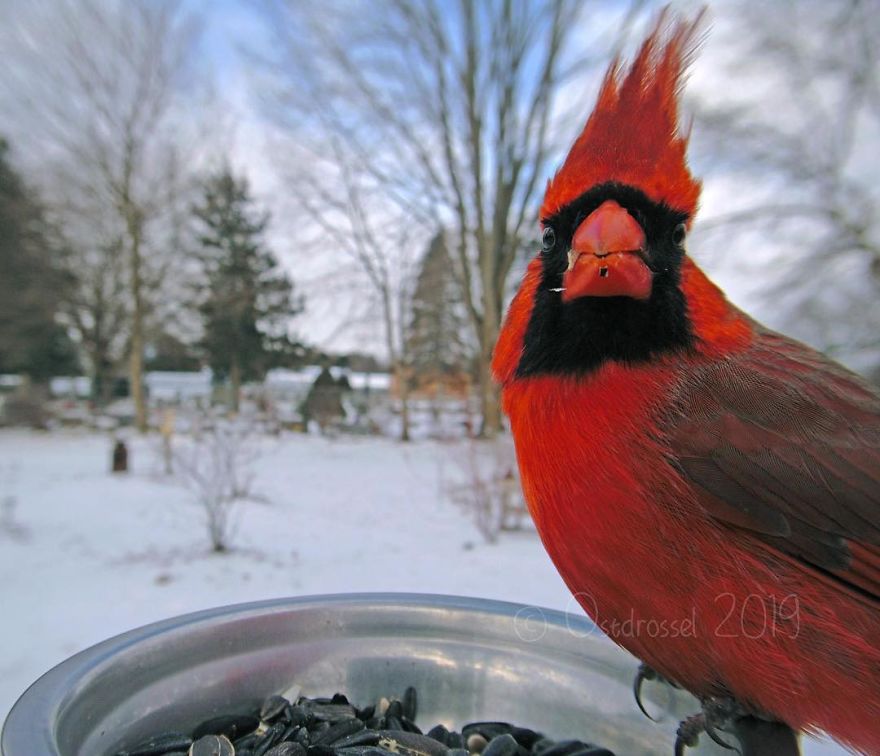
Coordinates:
(32, 285)
(246, 299)
(436, 337)
(167, 352)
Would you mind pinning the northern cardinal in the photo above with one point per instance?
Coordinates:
(708, 489)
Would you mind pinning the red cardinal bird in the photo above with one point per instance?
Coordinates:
(708, 489)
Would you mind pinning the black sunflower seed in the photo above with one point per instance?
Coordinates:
(321, 750)
(338, 731)
(488, 730)
(455, 740)
(300, 716)
(410, 703)
(269, 738)
(503, 745)
(410, 726)
(541, 745)
(564, 748)
(525, 737)
(410, 744)
(333, 726)
(246, 743)
(330, 712)
(286, 749)
(273, 707)
(439, 733)
(362, 738)
(317, 728)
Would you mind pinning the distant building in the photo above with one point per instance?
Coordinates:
(78, 387)
(356, 395)
(294, 385)
(173, 386)
(9, 383)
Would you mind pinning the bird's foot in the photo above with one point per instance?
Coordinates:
(718, 714)
(754, 735)
(647, 673)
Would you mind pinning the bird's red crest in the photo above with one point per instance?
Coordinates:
(633, 135)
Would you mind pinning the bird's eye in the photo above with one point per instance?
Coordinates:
(678, 234)
(548, 240)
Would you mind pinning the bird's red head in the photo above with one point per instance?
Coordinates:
(613, 281)
(633, 135)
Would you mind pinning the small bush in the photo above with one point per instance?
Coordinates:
(216, 464)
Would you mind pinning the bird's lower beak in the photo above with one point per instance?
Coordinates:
(607, 257)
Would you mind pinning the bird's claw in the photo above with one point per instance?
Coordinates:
(648, 673)
(717, 713)
(688, 733)
(645, 673)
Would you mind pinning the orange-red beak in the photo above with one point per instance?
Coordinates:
(607, 257)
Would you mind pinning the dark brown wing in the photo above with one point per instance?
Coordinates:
(783, 442)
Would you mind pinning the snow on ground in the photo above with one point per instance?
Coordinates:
(85, 555)
(102, 554)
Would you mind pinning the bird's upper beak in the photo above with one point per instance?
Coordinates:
(607, 257)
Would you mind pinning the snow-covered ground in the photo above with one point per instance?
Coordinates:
(100, 554)
(85, 555)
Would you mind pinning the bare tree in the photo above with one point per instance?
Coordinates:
(366, 235)
(96, 310)
(94, 84)
(217, 466)
(801, 130)
(445, 110)
(485, 484)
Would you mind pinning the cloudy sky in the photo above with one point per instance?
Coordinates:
(235, 31)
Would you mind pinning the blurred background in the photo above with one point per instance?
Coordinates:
(250, 248)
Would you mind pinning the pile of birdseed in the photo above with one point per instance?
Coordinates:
(334, 727)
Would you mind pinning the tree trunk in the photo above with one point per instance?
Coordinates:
(403, 388)
(136, 360)
(489, 399)
(235, 386)
(136, 374)
(101, 377)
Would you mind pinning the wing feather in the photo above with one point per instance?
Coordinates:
(785, 443)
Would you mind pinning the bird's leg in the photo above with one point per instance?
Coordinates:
(756, 736)
(762, 737)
